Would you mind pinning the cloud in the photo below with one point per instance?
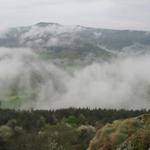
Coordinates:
(27, 81)
(120, 84)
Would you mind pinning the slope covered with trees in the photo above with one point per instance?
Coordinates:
(65, 129)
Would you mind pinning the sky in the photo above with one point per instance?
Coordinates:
(115, 14)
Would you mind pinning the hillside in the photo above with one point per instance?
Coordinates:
(67, 129)
(60, 41)
(128, 134)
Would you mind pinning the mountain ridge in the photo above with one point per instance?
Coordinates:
(62, 40)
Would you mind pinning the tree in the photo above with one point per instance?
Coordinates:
(2, 144)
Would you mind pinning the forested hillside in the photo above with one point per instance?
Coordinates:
(65, 129)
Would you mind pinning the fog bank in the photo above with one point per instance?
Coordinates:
(27, 81)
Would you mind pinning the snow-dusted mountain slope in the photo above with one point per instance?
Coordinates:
(62, 40)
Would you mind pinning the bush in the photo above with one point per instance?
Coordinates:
(5, 132)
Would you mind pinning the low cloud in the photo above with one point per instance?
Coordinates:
(27, 81)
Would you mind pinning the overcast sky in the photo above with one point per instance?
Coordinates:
(117, 14)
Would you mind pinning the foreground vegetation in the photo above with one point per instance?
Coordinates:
(128, 134)
(73, 129)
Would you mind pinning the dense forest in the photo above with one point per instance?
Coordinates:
(63, 129)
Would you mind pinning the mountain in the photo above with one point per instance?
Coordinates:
(128, 134)
(26, 81)
(58, 40)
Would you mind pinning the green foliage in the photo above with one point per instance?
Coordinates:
(15, 100)
(72, 120)
(63, 134)
(5, 132)
(32, 141)
(53, 145)
(2, 144)
(82, 119)
(71, 129)
(12, 123)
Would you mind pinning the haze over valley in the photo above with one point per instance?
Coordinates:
(51, 66)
